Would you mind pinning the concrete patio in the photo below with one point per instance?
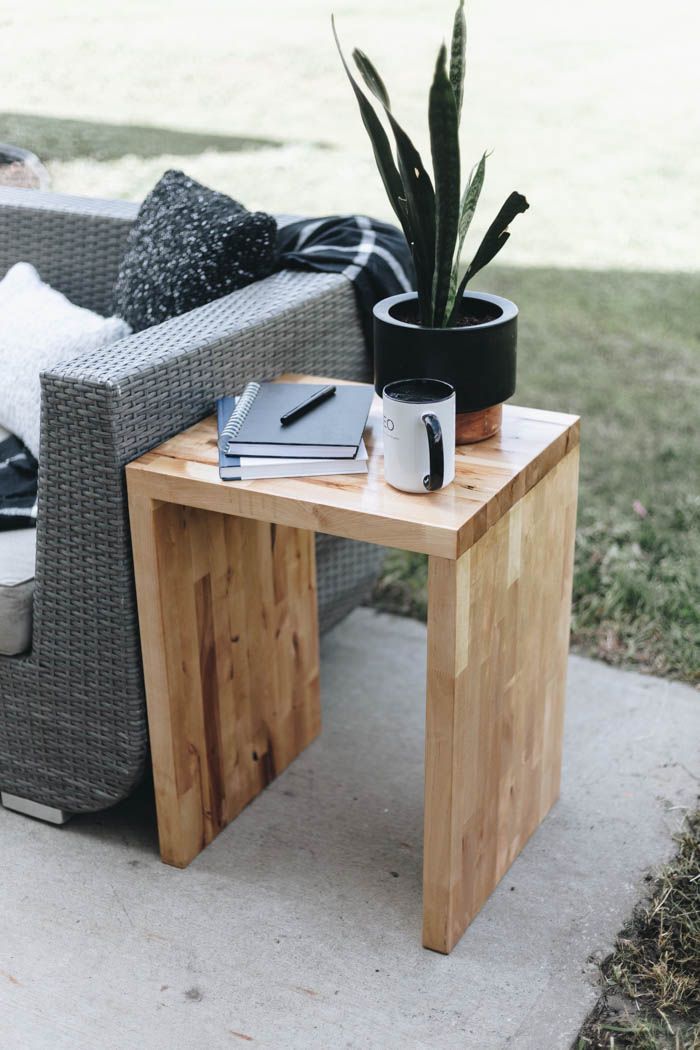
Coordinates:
(300, 926)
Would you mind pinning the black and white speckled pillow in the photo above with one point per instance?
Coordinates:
(189, 245)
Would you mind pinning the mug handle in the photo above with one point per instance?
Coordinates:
(435, 478)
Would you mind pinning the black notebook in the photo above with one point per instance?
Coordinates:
(331, 430)
(251, 468)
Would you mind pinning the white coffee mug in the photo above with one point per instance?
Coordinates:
(419, 434)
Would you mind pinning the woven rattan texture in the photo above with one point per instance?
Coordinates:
(72, 713)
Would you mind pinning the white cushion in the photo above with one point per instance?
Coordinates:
(40, 328)
(17, 556)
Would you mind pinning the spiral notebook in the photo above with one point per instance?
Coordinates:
(332, 430)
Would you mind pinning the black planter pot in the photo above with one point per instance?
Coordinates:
(479, 360)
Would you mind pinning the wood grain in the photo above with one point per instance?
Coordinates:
(227, 611)
(498, 638)
(490, 478)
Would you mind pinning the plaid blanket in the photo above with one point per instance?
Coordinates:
(18, 476)
(373, 255)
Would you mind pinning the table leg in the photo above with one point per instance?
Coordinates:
(229, 635)
(498, 637)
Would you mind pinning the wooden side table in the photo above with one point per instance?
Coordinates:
(225, 578)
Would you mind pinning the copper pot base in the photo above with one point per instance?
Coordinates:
(478, 426)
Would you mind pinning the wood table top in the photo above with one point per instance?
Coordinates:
(490, 478)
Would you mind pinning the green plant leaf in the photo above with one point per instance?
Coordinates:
(371, 77)
(494, 239)
(457, 56)
(420, 204)
(444, 144)
(419, 192)
(380, 144)
(497, 233)
(470, 200)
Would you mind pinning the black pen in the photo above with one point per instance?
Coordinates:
(306, 406)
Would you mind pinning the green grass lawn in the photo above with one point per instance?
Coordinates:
(621, 349)
(61, 139)
(650, 982)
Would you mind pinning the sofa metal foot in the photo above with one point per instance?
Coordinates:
(34, 809)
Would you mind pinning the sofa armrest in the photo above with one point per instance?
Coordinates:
(105, 408)
(159, 381)
(75, 243)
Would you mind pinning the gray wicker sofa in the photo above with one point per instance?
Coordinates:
(72, 715)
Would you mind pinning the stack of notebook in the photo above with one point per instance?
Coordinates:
(257, 439)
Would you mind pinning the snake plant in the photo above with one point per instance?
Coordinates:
(435, 217)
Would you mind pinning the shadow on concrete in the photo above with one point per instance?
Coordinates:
(131, 823)
(345, 817)
(56, 138)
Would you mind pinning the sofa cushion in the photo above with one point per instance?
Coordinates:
(40, 328)
(17, 554)
(188, 246)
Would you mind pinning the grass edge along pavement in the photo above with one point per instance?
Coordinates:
(651, 980)
(621, 349)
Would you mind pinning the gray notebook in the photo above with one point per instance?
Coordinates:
(331, 430)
